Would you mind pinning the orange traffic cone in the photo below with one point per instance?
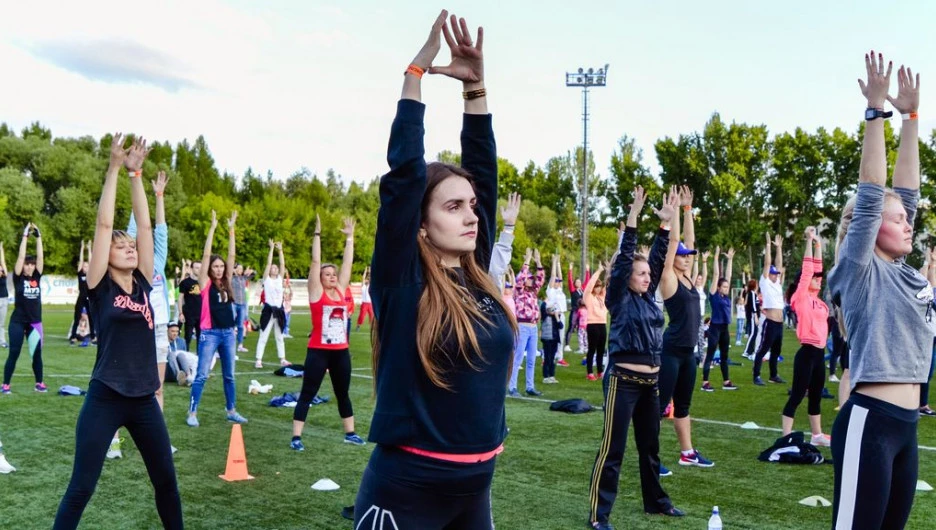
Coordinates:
(669, 410)
(237, 458)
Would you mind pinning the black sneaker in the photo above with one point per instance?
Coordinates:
(672, 511)
(533, 392)
(728, 385)
(600, 526)
(348, 512)
(926, 411)
(826, 394)
(777, 379)
(706, 387)
(759, 382)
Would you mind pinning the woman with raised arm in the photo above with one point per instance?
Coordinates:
(439, 421)
(526, 303)
(26, 320)
(328, 343)
(122, 391)
(367, 308)
(888, 315)
(596, 328)
(81, 303)
(719, 332)
(273, 317)
(683, 303)
(812, 330)
(239, 282)
(4, 297)
(771, 332)
(630, 384)
(218, 329)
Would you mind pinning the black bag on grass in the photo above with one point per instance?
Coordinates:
(792, 449)
(572, 406)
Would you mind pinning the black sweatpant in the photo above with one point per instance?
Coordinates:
(629, 396)
(719, 337)
(808, 373)
(573, 324)
(882, 438)
(19, 333)
(338, 364)
(924, 388)
(192, 329)
(550, 347)
(81, 303)
(771, 339)
(753, 337)
(103, 412)
(403, 491)
(677, 379)
(597, 338)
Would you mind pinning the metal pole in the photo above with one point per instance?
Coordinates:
(584, 179)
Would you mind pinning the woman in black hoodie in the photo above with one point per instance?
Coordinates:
(630, 383)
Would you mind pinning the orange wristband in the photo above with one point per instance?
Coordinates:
(910, 116)
(415, 70)
(135, 174)
(686, 208)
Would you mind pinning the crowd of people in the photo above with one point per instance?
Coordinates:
(442, 377)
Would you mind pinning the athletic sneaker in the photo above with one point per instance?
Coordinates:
(296, 445)
(826, 394)
(354, 439)
(513, 392)
(567, 348)
(737, 343)
(562, 362)
(926, 411)
(600, 526)
(287, 336)
(114, 451)
(584, 362)
(777, 379)
(664, 471)
(695, 459)
(192, 421)
(41, 388)
(5, 466)
(533, 392)
(833, 379)
(672, 511)
(821, 440)
(706, 387)
(591, 377)
(5, 389)
(759, 382)
(284, 362)
(728, 385)
(258, 364)
(236, 418)
(242, 349)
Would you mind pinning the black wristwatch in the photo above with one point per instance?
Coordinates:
(873, 114)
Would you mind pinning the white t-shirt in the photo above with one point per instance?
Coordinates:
(703, 296)
(556, 298)
(273, 291)
(772, 293)
(365, 293)
(739, 311)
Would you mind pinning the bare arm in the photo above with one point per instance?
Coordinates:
(206, 253)
(873, 167)
(232, 245)
(907, 167)
(104, 227)
(314, 285)
(705, 271)
(668, 280)
(685, 196)
(730, 266)
(269, 263)
(40, 255)
(767, 260)
(81, 256)
(2, 261)
(347, 260)
(716, 266)
(778, 245)
(21, 257)
(282, 260)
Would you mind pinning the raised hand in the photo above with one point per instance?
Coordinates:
(908, 92)
(640, 197)
(136, 155)
(279, 246)
(214, 219)
(878, 84)
(433, 44)
(778, 241)
(536, 256)
(706, 254)
(644, 250)
(467, 63)
(510, 212)
(670, 204)
(232, 220)
(730, 254)
(685, 196)
(810, 233)
(272, 244)
(159, 185)
(318, 224)
(527, 255)
(348, 229)
(117, 152)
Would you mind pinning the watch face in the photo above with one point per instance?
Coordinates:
(870, 114)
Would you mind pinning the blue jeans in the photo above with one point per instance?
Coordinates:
(740, 330)
(241, 315)
(286, 331)
(526, 342)
(210, 341)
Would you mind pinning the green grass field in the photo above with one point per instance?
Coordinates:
(541, 481)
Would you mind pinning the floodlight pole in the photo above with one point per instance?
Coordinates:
(586, 79)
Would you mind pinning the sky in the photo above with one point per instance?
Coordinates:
(281, 85)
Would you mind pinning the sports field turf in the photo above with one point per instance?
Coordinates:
(541, 481)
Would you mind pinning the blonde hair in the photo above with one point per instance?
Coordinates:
(120, 236)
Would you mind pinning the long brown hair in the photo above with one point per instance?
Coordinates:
(224, 284)
(446, 308)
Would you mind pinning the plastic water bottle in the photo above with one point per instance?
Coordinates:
(714, 522)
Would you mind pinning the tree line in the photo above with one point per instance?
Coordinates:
(745, 181)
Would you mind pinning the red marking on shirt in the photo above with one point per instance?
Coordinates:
(125, 302)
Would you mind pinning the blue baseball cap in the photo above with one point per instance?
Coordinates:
(773, 270)
(681, 250)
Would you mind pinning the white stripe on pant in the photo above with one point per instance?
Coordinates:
(850, 465)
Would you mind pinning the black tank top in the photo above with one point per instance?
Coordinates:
(685, 316)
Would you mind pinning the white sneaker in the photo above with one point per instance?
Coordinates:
(833, 379)
(5, 466)
(258, 364)
(114, 452)
(567, 348)
(553, 380)
(821, 440)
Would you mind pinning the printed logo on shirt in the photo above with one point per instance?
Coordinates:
(926, 294)
(377, 518)
(31, 289)
(125, 302)
(334, 324)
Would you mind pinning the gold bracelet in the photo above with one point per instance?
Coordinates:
(474, 94)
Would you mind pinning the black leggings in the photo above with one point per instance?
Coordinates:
(718, 338)
(550, 347)
(808, 373)
(19, 333)
(103, 412)
(338, 364)
(771, 339)
(82, 303)
(882, 437)
(677, 379)
(192, 329)
(597, 337)
(400, 490)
